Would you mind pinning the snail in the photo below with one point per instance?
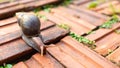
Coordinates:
(30, 26)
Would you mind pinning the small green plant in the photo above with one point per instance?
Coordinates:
(1, 67)
(66, 2)
(93, 4)
(80, 39)
(83, 40)
(65, 26)
(108, 24)
(37, 10)
(47, 8)
(6, 66)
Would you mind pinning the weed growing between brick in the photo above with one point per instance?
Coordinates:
(83, 40)
(79, 38)
(108, 24)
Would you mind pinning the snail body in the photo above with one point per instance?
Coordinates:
(30, 26)
(29, 23)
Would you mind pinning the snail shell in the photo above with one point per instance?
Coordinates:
(29, 23)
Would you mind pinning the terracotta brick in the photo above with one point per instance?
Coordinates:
(63, 58)
(20, 64)
(85, 15)
(115, 56)
(79, 2)
(104, 63)
(32, 63)
(17, 47)
(107, 43)
(78, 56)
(12, 4)
(9, 28)
(108, 11)
(14, 30)
(23, 7)
(73, 19)
(47, 61)
(61, 20)
(8, 21)
(105, 5)
(102, 32)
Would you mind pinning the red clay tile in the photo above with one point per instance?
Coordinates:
(105, 5)
(8, 21)
(61, 20)
(32, 63)
(7, 12)
(47, 61)
(89, 53)
(20, 65)
(73, 19)
(79, 2)
(115, 56)
(12, 4)
(102, 32)
(109, 42)
(17, 47)
(15, 32)
(84, 15)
